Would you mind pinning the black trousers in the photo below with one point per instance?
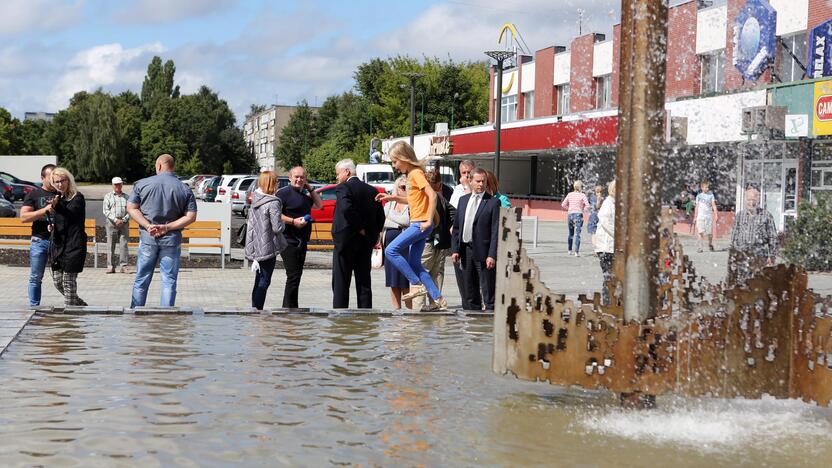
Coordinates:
(460, 284)
(480, 282)
(294, 257)
(606, 260)
(352, 257)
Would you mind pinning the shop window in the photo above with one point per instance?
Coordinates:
(528, 105)
(603, 91)
(713, 72)
(790, 69)
(508, 109)
(563, 99)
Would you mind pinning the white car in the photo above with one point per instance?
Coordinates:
(238, 193)
(377, 175)
(226, 183)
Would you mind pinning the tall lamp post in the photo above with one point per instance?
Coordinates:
(499, 56)
(412, 76)
(453, 105)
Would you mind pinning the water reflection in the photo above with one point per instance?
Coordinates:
(296, 390)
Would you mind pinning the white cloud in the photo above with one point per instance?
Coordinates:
(169, 11)
(25, 16)
(108, 66)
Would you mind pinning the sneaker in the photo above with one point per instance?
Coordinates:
(711, 248)
(441, 304)
(111, 269)
(577, 254)
(415, 291)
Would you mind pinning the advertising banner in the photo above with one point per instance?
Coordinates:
(822, 113)
(820, 52)
(755, 38)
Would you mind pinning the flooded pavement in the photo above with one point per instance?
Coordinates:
(301, 390)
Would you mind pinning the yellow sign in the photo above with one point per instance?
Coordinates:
(822, 110)
(511, 28)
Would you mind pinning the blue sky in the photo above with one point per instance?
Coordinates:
(254, 51)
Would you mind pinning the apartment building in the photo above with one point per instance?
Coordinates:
(262, 132)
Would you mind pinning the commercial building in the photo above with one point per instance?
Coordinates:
(262, 132)
(47, 116)
(560, 117)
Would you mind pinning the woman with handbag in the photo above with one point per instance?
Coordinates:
(69, 239)
(264, 235)
(396, 218)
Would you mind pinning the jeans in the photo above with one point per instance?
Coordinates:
(262, 281)
(168, 257)
(576, 222)
(294, 257)
(405, 252)
(38, 256)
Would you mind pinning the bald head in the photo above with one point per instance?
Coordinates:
(164, 163)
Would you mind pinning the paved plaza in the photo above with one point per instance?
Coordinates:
(232, 287)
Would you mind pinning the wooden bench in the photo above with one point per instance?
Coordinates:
(321, 238)
(14, 232)
(196, 230)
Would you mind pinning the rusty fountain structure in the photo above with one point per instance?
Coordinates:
(665, 329)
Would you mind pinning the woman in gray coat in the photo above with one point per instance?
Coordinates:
(264, 235)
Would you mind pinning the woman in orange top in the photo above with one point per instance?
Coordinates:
(405, 252)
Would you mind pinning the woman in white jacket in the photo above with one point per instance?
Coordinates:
(605, 238)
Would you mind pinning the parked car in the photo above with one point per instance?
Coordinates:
(239, 192)
(7, 209)
(14, 191)
(327, 211)
(282, 181)
(377, 175)
(227, 181)
(14, 180)
(199, 191)
(193, 181)
(211, 188)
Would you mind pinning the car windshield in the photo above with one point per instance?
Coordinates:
(380, 177)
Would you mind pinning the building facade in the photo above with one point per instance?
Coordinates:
(560, 117)
(46, 116)
(262, 133)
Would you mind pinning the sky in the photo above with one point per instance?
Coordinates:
(255, 51)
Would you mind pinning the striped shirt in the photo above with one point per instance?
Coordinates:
(115, 207)
(755, 232)
(575, 202)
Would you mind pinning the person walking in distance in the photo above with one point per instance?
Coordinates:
(438, 244)
(605, 239)
(37, 209)
(356, 224)
(705, 214)
(406, 251)
(595, 201)
(753, 240)
(396, 220)
(575, 204)
(474, 243)
(116, 225)
(162, 206)
(461, 189)
(264, 235)
(69, 239)
(298, 200)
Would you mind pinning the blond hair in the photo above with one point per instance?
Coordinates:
(403, 152)
(267, 182)
(62, 172)
(578, 185)
(611, 188)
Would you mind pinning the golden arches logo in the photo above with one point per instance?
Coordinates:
(513, 30)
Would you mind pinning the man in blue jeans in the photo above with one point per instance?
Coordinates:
(38, 210)
(162, 206)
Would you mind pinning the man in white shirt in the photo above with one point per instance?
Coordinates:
(462, 189)
(116, 225)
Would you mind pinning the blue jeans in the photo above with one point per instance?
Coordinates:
(168, 257)
(38, 256)
(576, 222)
(405, 252)
(262, 281)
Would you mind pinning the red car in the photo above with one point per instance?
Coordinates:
(326, 213)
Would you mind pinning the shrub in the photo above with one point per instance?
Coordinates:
(809, 238)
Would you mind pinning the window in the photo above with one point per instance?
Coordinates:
(563, 99)
(603, 92)
(528, 105)
(328, 194)
(508, 109)
(790, 70)
(713, 72)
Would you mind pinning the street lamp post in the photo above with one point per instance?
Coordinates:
(500, 56)
(453, 105)
(412, 76)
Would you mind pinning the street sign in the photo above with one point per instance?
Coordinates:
(797, 125)
(755, 38)
(820, 51)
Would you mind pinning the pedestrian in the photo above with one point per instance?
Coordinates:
(595, 201)
(356, 225)
(37, 209)
(466, 167)
(396, 219)
(264, 235)
(406, 251)
(605, 239)
(753, 240)
(69, 239)
(162, 206)
(438, 244)
(116, 225)
(705, 214)
(493, 187)
(297, 199)
(575, 204)
(474, 243)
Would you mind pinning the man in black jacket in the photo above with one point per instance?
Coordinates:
(356, 224)
(474, 243)
(438, 244)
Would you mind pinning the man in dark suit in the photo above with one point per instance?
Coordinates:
(474, 243)
(356, 224)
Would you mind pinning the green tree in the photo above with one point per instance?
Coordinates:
(32, 139)
(96, 142)
(255, 109)
(8, 127)
(158, 85)
(128, 108)
(297, 138)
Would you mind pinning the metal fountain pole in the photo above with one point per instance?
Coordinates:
(640, 148)
(500, 56)
(412, 76)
